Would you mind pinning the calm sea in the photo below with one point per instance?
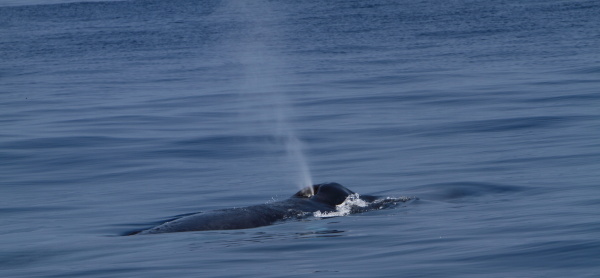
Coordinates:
(117, 115)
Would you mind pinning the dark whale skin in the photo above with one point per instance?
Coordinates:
(326, 197)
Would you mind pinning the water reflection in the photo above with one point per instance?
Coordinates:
(323, 233)
(222, 239)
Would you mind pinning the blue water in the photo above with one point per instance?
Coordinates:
(117, 115)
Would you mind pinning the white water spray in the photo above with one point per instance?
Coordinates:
(294, 148)
(265, 76)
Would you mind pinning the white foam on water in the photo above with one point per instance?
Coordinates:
(354, 203)
(344, 208)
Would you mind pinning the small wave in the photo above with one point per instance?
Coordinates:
(354, 204)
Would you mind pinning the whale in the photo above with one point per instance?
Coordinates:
(322, 197)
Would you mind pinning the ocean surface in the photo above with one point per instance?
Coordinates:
(118, 115)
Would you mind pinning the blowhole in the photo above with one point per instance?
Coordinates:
(308, 191)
